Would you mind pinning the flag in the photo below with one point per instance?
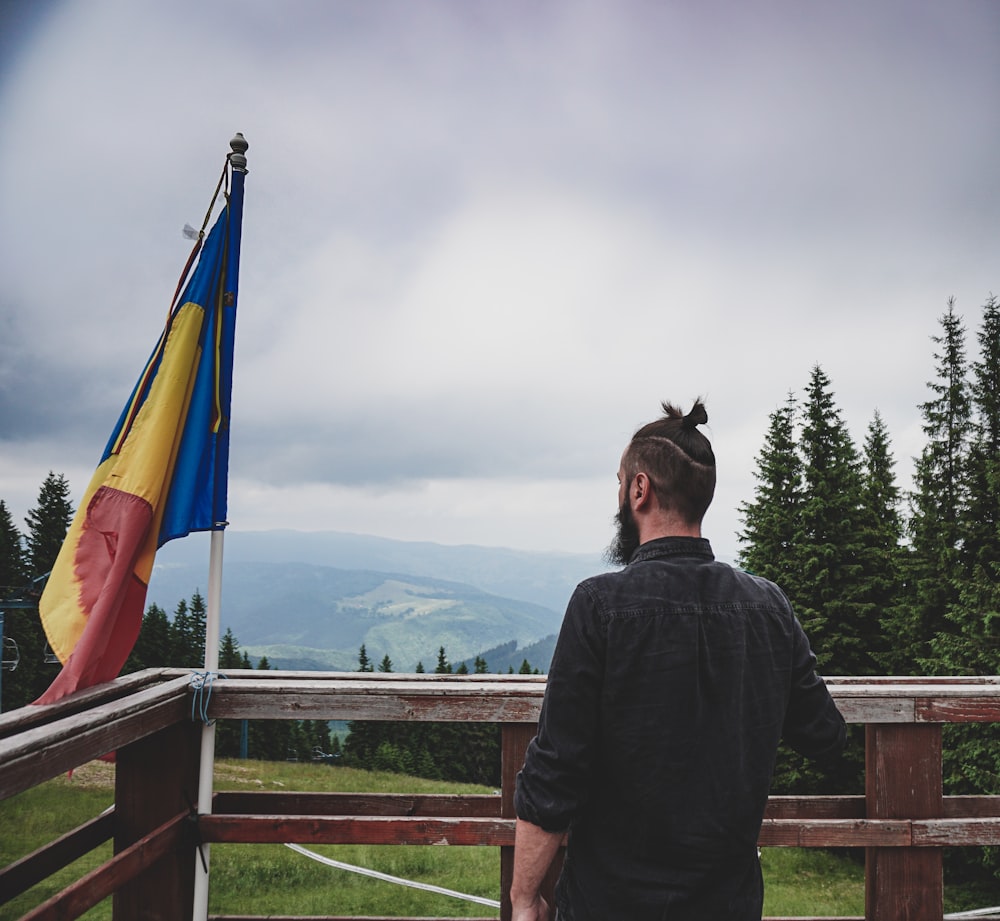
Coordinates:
(163, 473)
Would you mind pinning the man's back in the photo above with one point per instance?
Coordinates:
(672, 683)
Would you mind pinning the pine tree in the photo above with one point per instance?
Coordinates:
(939, 503)
(12, 564)
(152, 647)
(771, 520)
(197, 616)
(970, 643)
(47, 526)
(443, 666)
(386, 664)
(228, 733)
(229, 651)
(269, 739)
(182, 648)
(364, 736)
(829, 587)
(881, 538)
(480, 667)
(48, 523)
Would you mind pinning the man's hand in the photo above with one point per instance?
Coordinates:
(534, 849)
(535, 910)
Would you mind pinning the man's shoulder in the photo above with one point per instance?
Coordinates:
(719, 578)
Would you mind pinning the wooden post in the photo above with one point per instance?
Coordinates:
(903, 781)
(514, 740)
(157, 778)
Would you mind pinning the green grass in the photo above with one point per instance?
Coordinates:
(272, 879)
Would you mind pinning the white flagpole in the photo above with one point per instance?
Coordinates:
(213, 615)
(207, 764)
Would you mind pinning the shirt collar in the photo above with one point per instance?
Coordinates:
(673, 546)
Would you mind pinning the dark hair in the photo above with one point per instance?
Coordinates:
(677, 458)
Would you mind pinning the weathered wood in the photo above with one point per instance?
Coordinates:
(815, 807)
(514, 741)
(887, 833)
(958, 710)
(876, 709)
(903, 781)
(325, 829)
(156, 778)
(973, 807)
(956, 832)
(97, 885)
(43, 752)
(21, 875)
(903, 820)
(32, 716)
(386, 804)
(446, 700)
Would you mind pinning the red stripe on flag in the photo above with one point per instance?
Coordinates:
(115, 533)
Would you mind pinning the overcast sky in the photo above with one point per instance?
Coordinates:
(483, 240)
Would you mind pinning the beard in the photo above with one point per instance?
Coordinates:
(626, 539)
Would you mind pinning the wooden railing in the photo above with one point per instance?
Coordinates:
(903, 820)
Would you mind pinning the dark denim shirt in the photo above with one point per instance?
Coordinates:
(671, 685)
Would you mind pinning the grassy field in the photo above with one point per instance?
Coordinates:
(267, 879)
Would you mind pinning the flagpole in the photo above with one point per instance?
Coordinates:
(206, 768)
(213, 611)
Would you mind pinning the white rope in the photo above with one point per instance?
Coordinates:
(391, 879)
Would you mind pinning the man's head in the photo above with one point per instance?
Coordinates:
(666, 480)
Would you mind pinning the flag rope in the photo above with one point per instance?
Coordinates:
(201, 684)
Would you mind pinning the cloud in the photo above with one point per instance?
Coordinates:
(483, 241)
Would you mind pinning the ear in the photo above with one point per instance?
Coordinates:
(642, 491)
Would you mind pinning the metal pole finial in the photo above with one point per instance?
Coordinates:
(240, 146)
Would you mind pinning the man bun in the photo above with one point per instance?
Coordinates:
(697, 416)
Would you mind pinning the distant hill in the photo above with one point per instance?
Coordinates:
(309, 600)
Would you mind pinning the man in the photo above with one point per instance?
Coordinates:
(671, 685)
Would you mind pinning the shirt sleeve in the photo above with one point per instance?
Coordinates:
(560, 761)
(814, 726)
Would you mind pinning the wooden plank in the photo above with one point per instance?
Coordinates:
(97, 885)
(956, 832)
(903, 781)
(843, 681)
(156, 778)
(493, 832)
(323, 829)
(32, 716)
(488, 805)
(958, 710)
(514, 741)
(981, 807)
(815, 807)
(387, 804)
(22, 874)
(887, 833)
(877, 709)
(398, 701)
(44, 752)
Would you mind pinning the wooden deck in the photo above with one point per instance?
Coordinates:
(903, 820)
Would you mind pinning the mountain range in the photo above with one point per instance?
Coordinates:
(309, 600)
